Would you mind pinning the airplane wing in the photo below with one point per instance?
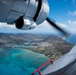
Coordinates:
(62, 64)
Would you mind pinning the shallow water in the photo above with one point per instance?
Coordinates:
(14, 61)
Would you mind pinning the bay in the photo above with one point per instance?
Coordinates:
(17, 61)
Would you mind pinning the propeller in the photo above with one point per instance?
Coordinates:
(64, 32)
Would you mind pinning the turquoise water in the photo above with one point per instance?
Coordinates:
(14, 61)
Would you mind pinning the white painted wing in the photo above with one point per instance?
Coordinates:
(62, 64)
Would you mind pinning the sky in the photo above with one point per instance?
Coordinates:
(63, 12)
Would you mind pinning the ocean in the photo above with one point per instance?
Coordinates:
(72, 38)
(17, 61)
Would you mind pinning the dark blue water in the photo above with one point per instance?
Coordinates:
(15, 61)
(72, 38)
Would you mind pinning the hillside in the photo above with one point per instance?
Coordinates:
(52, 46)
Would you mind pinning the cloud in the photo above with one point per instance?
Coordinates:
(71, 22)
(42, 28)
(45, 24)
(4, 25)
(72, 26)
(61, 25)
(73, 30)
(72, 13)
(5, 28)
(45, 27)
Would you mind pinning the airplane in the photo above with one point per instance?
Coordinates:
(27, 14)
(65, 65)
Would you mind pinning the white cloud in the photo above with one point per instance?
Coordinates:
(71, 22)
(45, 24)
(73, 30)
(45, 27)
(61, 25)
(4, 28)
(72, 13)
(4, 25)
(72, 26)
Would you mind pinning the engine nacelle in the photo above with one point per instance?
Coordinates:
(43, 12)
(17, 12)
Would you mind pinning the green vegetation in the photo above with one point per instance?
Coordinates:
(51, 46)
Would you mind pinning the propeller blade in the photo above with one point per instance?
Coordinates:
(57, 27)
